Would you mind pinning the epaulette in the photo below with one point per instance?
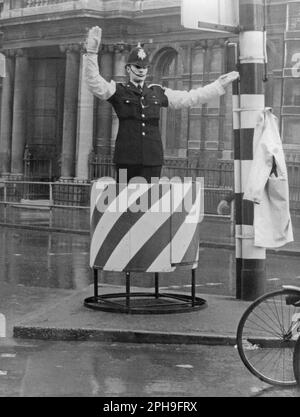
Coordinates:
(124, 84)
(156, 85)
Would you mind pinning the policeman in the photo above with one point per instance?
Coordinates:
(138, 145)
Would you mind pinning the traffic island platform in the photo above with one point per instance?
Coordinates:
(70, 320)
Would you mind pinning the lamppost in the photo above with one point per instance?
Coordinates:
(248, 101)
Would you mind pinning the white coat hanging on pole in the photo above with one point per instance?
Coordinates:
(267, 186)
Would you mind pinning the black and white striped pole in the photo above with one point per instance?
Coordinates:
(248, 101)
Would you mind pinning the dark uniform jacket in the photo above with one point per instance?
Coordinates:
(138, 141)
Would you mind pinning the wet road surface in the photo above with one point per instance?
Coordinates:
(41, 259)
(89, 369)
(38, 269)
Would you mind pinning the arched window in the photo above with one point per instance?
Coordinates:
(168, 72)
(187, 131)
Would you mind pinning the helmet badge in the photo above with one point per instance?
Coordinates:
(141, 54)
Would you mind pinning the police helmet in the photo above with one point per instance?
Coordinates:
(138, 56)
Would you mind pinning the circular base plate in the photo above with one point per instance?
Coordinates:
(145, 303)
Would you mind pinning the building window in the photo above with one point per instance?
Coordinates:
(292, 55)
(212, 132)
(169, 74)
(198, 62)
(216, 61)
(293, 16)
(275, 49)
(276, 14)
(273, 94)
(291, 95)
(290, 130)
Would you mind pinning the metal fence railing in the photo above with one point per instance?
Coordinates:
(218, 181)
(55, 199)
(65, 206)
(294, 186)
(51, 206)
(100, 167)
(218, 176)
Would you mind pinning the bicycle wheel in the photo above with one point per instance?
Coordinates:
(296, 361)
(266, 336)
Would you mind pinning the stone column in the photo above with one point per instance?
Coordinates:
(188, 146)
(70, 111)
(19, 125)
(84, 124)
(206, 68)
(104, 109)
(6, 116)
(119, 76)
(6, 7)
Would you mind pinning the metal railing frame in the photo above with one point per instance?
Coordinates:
(51, 206)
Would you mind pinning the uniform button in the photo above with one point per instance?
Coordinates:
(143, 98)
(143, 124)
(143, 133)
(143, 116)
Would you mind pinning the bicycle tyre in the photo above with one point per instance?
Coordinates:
(296, 361)
(265, 339)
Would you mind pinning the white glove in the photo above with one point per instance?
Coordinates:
(227, 79)
(93, 40)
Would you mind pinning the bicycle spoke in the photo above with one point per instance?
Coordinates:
(265, 338)
(265, 329)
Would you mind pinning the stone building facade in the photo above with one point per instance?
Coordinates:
(47, 113)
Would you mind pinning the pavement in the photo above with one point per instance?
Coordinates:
(70, 319)
(67, 318)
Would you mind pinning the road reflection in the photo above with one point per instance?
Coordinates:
(36, 258)
(117, 370)
(40, 259)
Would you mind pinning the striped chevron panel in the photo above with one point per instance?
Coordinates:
(145, 227)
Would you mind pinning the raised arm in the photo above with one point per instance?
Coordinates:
(193, 98)
(96, 83)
